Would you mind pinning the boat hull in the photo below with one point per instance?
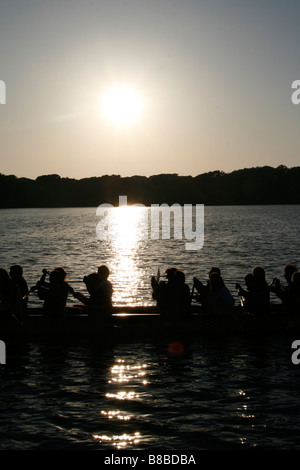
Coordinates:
(124, 325)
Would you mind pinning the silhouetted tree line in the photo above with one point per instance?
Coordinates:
(259, 185)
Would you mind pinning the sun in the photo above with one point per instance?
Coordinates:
(121, 106)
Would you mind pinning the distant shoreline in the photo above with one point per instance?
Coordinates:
(250, 186)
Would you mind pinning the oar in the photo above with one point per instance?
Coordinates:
(45, 272)
(29, 292)
(192, 294)
(242, 299)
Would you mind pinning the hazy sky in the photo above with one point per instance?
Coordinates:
(214, 78)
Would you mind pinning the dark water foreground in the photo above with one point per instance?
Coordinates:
(208, 394)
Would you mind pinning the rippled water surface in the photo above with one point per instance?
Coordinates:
(191, 394)
(235, 239)
(227, 395)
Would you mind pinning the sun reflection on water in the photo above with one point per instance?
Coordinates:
(243, 409)
(130, 224)
(115, 414)
(123, 380)
(124, 373)
(122, 395)
(120, 441)
(127, 228)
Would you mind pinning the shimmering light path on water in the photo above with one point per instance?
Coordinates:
(236, 238)
(224, 394)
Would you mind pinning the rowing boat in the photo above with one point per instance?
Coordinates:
(145, 322)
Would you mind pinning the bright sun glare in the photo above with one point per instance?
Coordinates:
(121, 106)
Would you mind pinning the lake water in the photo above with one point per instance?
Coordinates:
(235, 239)
(228, 393)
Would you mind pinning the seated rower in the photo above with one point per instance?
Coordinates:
(181, 298)
(163, 291)
(294, 297)
(283, 292)
(7, 296)
(21, 290)
(246, 295)
(256, 299)
(54, 293)
(204, 289)
(173, 296)
(99, 302)
(105, 286)
(220, 300)
(291, 295)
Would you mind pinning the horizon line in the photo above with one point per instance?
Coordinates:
(155, 174)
